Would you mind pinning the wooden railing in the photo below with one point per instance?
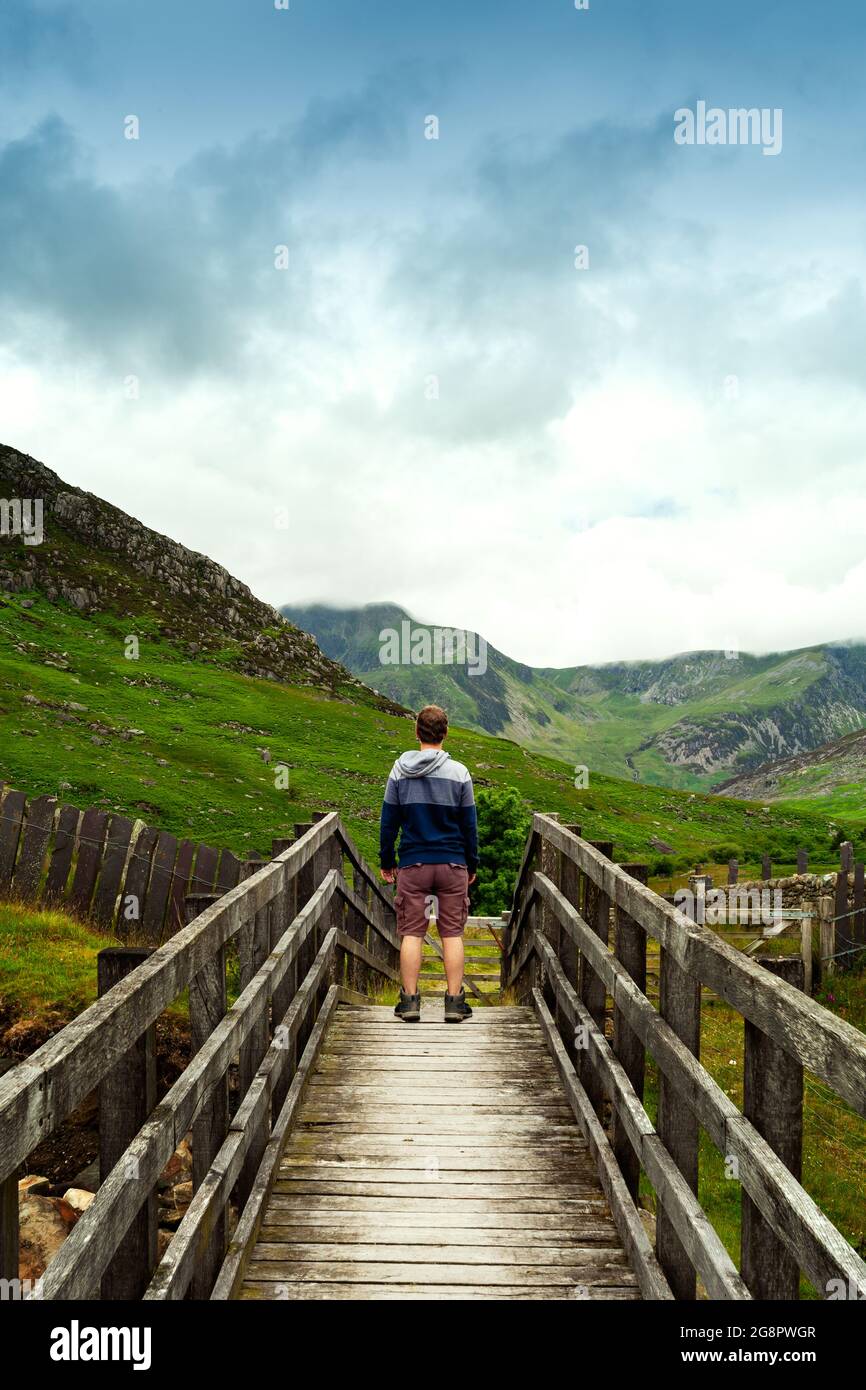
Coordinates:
(310, 928)
(559, 955)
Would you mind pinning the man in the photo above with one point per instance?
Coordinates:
(429, 802)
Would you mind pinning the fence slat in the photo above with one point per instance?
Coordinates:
(127, 1095)
(61, 855)
(679, 1006)
(11, 817)
(137, 876)
(773, 1101)
(181, 874)
(164, 855)
(91, 838)
(204, 874)
(37, 833)
(114, 859)
(631, 953)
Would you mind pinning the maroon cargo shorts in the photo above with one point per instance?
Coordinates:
(425, 891)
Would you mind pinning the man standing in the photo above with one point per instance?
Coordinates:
(429, 801)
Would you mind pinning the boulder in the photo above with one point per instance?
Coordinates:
(44, 1224)
(78, 1198)
(33, 1186)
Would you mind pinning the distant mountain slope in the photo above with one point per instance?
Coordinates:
(98, 559)
(835, 773)
(692, 720)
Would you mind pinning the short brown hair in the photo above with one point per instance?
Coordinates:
(431, 725)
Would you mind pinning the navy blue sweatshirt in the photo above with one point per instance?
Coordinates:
(430, 803)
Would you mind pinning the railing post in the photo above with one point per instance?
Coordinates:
(631, 953)
(207, 1007)
(9, 1233)
(826, 939)
(285, 991)
(592, 987)
(773, 1101)
(253, 947)
(844, 921)
(127, 1095)
(680, 1007)
(570, 888)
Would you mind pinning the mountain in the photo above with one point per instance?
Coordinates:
(96, 558)
(834, 774)
(186, 728)
(690, 721)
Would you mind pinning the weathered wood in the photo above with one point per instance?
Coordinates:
(127, 1095)
(135, 885)
(858, 929)
(680, 1007)
(177, 893)
(34, 842)
(592, 987)
(9, 1234)
(569, 883)
(204, 872)
(164, 855)
(229, 873)
(11, 819)
(828, 1047)
(802, 861)
(733, 871)
(61, 855)
(826, 940)
(91, 837)
(766, 867)
(117, 840)
(631, 954)
(207, 1008)
(773, 1101)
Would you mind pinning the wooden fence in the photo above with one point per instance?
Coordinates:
(559, 955)
(310, 928)
(127, 876)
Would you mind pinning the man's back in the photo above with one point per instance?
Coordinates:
(429, 799)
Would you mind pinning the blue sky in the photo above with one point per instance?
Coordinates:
(432, 404)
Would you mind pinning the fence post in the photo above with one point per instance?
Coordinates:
(631, 953)
(773, 1102)
(127, 1095)
(807, 939)
(592, 987)
(570, 888)
(858, 930)
(285, 991)
(253, 941)
(549, 865)
(680, 1007)
(733, 871)
(802, 861)
(844, 921)
(9, 1234)
(207, 1007)
(766, 868)
(827, 938)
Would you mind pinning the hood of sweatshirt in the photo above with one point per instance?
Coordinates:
(421, 761)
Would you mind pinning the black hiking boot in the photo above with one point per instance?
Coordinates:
(409, 1008)
(456, 1008)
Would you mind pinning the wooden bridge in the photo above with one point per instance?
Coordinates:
(353, 1156)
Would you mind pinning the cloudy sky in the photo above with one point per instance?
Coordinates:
(353, 363)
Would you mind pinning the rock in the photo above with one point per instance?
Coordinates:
(78, 1198)
(33, 1186)
(44, 1224)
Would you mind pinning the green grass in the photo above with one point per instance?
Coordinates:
(196, 769)
(47, 963)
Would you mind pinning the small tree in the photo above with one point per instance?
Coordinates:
(503, 826)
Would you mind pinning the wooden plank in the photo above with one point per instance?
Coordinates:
(825, 1045)
(680, 1007)
(354, 1231)
(135, 885)
(229, 872)
(11, 819)
(34, 842)
(204, 872)
(61, 855)
(464, 1208)
(773, 1101)
(489, 1275)
(127, 1095)
(631, 954)
(500, 1253)
(286, 1289)
(175, 916)
(117, 840)
(207, 1008)
(91, 838)
(164, 855)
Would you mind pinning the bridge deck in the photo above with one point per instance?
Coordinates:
(437, 1161)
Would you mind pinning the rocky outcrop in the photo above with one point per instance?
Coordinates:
(96, 557)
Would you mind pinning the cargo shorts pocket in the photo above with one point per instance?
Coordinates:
(464, 912)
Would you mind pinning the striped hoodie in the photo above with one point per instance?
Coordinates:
(429, 802)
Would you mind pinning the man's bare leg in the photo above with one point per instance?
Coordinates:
(452, 950)
(410, 962)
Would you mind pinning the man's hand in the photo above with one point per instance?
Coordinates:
(472, 878)
(387, 875)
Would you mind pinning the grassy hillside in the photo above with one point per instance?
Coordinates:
(178, 740)
(690, 721)
(831, 778)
